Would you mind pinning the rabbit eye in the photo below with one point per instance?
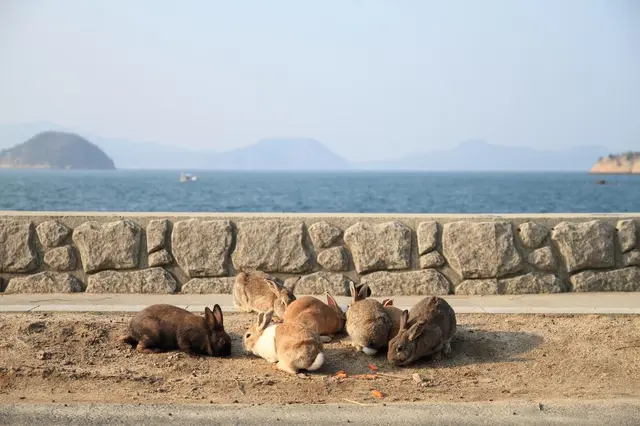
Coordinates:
(400, 348)
(247, 335)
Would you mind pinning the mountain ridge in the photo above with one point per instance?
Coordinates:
(56, 150)
(303, 153)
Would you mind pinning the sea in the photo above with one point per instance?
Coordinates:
(308, 192)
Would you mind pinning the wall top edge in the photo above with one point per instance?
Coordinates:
(317, 215)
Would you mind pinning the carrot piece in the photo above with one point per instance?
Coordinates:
(365, 376)
(377, 393)
(373, 367)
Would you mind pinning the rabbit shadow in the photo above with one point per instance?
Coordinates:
(469, 347)
(472, 346)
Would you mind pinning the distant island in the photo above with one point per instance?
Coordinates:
(56, 150)
(626, 163)
(300, 153)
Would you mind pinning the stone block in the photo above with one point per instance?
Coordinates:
(221, 285)
(52, 233)
(482, 287)
(334, 259)
(481, 249)
(531, 283)
(427, 235)
(323, 234)
(45, 282)
(627, 234)
(113, 245)
(319, 282)
(153, 281)
(385, 246)
(411, 283)
(272, 246)
(631, 258)
(157, 233)
(160, 258)
(543, 259)
(61, 259)
(627, 279)
(17, 251)
(201, 248)
(432, 259)
(587, 245)
(532, 234)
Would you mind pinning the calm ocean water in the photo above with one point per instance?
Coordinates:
(317, 192)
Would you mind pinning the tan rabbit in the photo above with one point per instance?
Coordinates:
(368, 324)
(258, 292)
(162, 327)
(426, 330)
(394, 315)
(291, 345)
(325, 319)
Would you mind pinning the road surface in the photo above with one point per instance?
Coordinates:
(619, 413)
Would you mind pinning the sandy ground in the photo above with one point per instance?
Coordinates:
(77, 357)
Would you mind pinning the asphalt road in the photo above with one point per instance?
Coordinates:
(619, 413)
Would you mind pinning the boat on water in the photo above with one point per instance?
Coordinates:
(187, 177)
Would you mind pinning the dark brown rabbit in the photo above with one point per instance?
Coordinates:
(425, 330)
(159, 328)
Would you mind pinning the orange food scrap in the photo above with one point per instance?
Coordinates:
(341, 374)
(365, 376)
(373, 367)
(377, 393)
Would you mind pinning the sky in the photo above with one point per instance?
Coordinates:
(371, 79)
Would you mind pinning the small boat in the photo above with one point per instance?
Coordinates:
(187, 177)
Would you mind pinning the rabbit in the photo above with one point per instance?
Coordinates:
(394, 315)
(291, 345)
(368, 324)
(162, 327)
(325, 319)
(426, 330)
(258, 292)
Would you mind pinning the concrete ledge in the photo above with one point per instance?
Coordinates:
(569, 303)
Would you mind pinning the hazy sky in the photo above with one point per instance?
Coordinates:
(369, 78)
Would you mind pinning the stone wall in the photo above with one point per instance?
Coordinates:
(394, 255)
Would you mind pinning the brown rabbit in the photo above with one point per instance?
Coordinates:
(368, 324)
(258, 292)
(293, 346)
(159, 328)
(325, 319)
(394, 315)
(424, 331)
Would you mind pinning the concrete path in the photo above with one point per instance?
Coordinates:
(620, 413)
(566, 303)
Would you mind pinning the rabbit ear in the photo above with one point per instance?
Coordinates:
(404, 318)
(354, 293)
(264, 319)
(387, 302)
(209, 318)
(362, 294)
(217, 315)
(416, 330)
(273, 286)
(331, 301)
